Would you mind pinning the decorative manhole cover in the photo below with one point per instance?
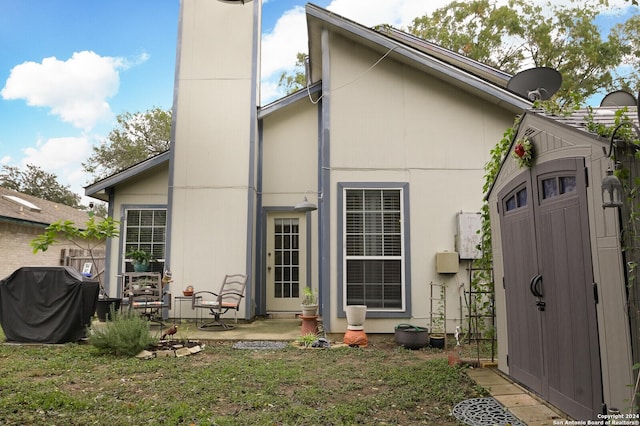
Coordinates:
(484, 412)
(261, 344)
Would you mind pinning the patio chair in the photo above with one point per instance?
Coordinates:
(148, 295)
(229, 297)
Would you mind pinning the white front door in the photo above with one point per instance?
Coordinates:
(286, 261)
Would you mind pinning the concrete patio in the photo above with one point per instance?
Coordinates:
(259, 329)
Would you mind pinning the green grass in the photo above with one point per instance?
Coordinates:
(74, 384)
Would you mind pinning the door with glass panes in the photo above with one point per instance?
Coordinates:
(286, 261)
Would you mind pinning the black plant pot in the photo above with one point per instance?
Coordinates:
(436, 341)
(105, 306)
(411, 336)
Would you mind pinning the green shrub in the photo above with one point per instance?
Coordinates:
(126, 334)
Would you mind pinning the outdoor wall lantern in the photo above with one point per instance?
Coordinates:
(611, 190)
(306, 205)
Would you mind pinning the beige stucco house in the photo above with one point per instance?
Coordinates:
(389, 140)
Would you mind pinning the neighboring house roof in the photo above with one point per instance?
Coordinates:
(578, 119)
(99, 189)
(25, 209)
(450, 67)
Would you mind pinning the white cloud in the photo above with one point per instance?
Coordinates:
(398, 13)
(76, 90)
(62, 157)
(279, 48)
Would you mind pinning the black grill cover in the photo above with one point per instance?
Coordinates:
(47, 304)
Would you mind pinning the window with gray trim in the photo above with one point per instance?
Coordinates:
(146, 229)
(373, 247)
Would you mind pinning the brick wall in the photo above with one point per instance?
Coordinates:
(16, 251)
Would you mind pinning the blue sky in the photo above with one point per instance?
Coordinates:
(68, 67)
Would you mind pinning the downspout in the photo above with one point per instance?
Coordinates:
(109, 243)
(172, 146)
(324, 182)
(251, 184)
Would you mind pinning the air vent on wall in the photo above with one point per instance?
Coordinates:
(531, 132)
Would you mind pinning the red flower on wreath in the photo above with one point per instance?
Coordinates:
(523, 152)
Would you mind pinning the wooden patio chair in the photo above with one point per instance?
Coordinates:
(147, 295)
(229, 297)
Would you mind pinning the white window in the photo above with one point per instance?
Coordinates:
(146, 229)
(373, 248)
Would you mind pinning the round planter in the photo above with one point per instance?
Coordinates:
(356, 315)
(309, 310)
(411, 336)
(436, 341)
(104, 307)
(140, 266)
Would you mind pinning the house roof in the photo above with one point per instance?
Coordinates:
(472, 76)
(484, 71)
(21, 208)
(98, 189)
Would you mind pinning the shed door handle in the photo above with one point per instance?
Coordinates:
(535, 285)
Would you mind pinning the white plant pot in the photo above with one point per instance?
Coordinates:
(356, 315)
(309, 310)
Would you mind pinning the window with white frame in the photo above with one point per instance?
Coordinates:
(373, 247)
(146, 229)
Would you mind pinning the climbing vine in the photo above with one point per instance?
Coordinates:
(482, 286)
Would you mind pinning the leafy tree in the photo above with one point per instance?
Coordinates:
(297, 80)
(38, 183)
(519, 36)
(136, 137)
(91, 236)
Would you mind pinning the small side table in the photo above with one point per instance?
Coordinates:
(180, 300)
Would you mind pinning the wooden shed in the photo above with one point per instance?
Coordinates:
(562, 288)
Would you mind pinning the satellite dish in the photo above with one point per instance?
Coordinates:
(618, 98)
(536, 83)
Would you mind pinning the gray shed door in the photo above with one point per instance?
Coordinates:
(548, 277)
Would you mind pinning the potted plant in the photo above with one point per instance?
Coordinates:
(309, 302)
(140, 259)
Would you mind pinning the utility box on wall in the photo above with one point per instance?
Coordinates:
(447, 262)
(468, 237)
